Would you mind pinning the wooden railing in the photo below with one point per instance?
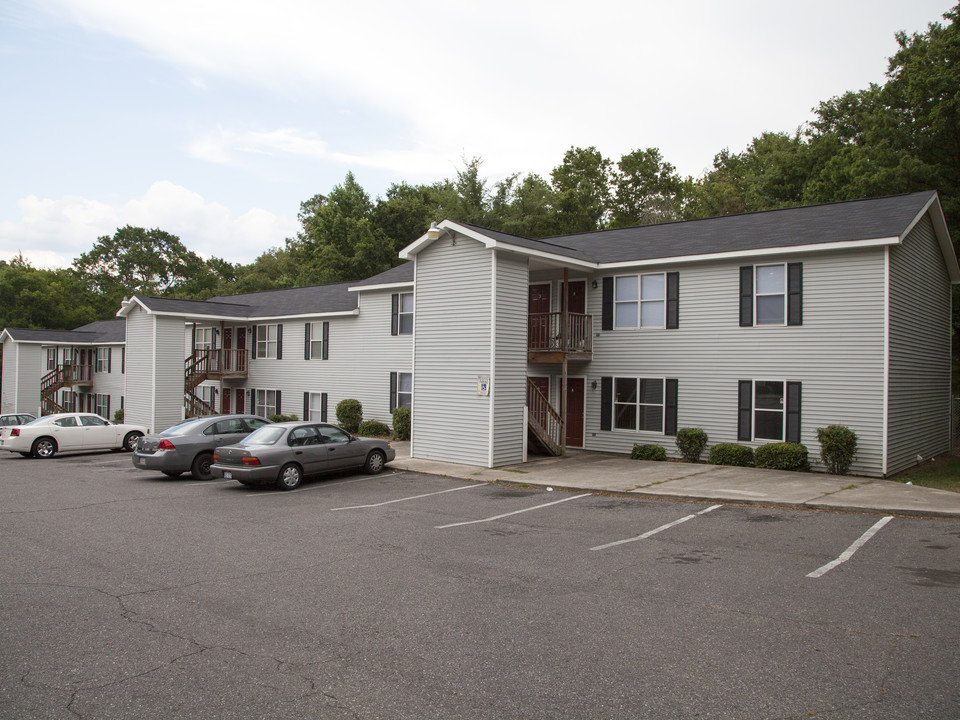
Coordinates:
(545, 333)
(213, 364)
(60, 377)
(545, 422)
(193, 406)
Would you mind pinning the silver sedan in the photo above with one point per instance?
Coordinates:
(189, 446)
(283, 454)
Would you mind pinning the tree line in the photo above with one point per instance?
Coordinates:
(901, 136)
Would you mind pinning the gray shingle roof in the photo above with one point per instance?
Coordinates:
(400, 274)
(295, 301)
(95, 333)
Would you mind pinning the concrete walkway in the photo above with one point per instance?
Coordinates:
(603, 472)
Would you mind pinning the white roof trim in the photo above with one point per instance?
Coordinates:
(125, 309)
(385, 286)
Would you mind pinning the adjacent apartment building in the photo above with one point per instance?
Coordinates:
(757, 328)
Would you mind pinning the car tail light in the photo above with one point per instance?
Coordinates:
(250, 461)
(216, 458)
(165, 445)
(14, 432)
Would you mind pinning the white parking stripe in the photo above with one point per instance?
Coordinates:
(412, 497)
(515, 512)
(848, 553)
(656, 530)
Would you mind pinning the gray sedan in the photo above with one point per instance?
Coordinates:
(283, 454)
(189, 446)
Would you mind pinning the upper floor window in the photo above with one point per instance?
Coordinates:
(316, 341)
(402, 316)
(51, 358)
(771, 294)
(647, 300)
(269, 341)
(203, 338)
(103, 360)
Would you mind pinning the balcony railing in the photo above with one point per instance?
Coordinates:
(545, 333)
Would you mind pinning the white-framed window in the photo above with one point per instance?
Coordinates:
(315, 408)
(102, 405)
(268, 341)
(768, 410)
(208, 393)
(404, 390)
(203, 338)
(771, 294)
(316, 340)
(401, 322)
(66, 400)
(640, 300)
(103, 360)
(51, 358)
(265, 403)
(638, 404)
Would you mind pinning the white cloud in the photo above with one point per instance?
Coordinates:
(52, 233)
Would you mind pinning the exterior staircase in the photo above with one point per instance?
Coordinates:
(545, 427)
(64, 375)
(209, 364)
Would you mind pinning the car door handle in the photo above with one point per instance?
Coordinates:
(298, 452)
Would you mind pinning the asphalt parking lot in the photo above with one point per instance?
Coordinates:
(127, 594)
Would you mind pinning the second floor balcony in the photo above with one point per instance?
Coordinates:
(550, 339)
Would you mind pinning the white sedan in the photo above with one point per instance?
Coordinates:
(69, 432)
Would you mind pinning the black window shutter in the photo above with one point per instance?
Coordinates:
(306, 341)
(325, 353)
(745, 411)
(606, 403)
(746, 296)
(253, 401)
(670, 411)
(673, 300)
(279, 404)
(306, 405)
(253, 342)
(607, 305)
(795, 294)
(793, 412)
(109, 360)
(123, 360)
(108, 408)
(393, 392)
(193, 340)
(323, 407)
(213, 339)
(395, 314)
(279, 341)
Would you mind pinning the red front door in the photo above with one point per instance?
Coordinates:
(538, 308)
(574, 410)
(577, 297)
(239, 395)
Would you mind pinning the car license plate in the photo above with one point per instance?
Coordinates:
(143, 461)
(228, 475)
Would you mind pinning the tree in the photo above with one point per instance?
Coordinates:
(49, 299)
(581, 184)
(524, 207)
(647, 190)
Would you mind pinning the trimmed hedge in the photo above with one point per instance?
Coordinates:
(373, 428)
(838, 448)
(349, 414)
(691, 443)
(648, 452)
(731, 454)
(118, 416)
(401, 423)
(282, 418)
(782, 456)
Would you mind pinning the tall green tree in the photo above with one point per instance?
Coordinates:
(581, 185)
(647, 190)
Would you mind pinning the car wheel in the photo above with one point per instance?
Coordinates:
(44, 447)
(200, 469)
(131, 439)
(26, 454)
(374, 462)
(290, 477)
(171, 474)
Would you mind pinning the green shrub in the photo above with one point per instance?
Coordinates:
(349, 414)
(838, 448)
(282, 418)
(401, 423)
(731, 454)
(691, 443)
(373, 428)
(782, 456)
(118, 416)
(648, 452)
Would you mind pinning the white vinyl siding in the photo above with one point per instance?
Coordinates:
(837, 354)
(919, 386)
(509, 375)
(453, 349)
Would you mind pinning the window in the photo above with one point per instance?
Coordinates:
(771, 294)
(266, 403)
(92, 421)
(51, 358)
(304, 435)
(769, 410)
(102, 405)
(650, 300)
(333, 435)
(401, 390)
(66, 421)
(402, 316)
(268, 343)
(66, 400)
(103, 360)
(208, 394)
(638, 404)
(203, 339)
(315, 406)
(317, 340)
(232, 426)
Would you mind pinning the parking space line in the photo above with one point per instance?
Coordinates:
(848, 553)
(515, 512)
(650, 533)
(412, 497)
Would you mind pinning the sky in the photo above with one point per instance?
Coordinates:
(214, 119)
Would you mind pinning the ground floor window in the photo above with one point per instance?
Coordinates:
(267, 403)
(66, 401)
(769, 410)
(401, 390)
(638, 404)
(316, 407)
(208, 393)
(102, 405)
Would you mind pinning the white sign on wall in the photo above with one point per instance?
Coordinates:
(483, 385)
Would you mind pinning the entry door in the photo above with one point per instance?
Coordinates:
(577, 297)
(227, 344)
(538, 308)
(574, 408)
(239, 395)
(225, 402)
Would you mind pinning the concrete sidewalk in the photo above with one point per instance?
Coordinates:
(603, 472)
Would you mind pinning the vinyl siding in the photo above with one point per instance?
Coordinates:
(509, 390)
(838, 354)
(168, 403)
(110, 383)
(139, 389)
(919, 389)
(453, 337)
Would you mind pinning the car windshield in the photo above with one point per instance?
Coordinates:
(34, 421)
(267, 435)
(184, 428)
